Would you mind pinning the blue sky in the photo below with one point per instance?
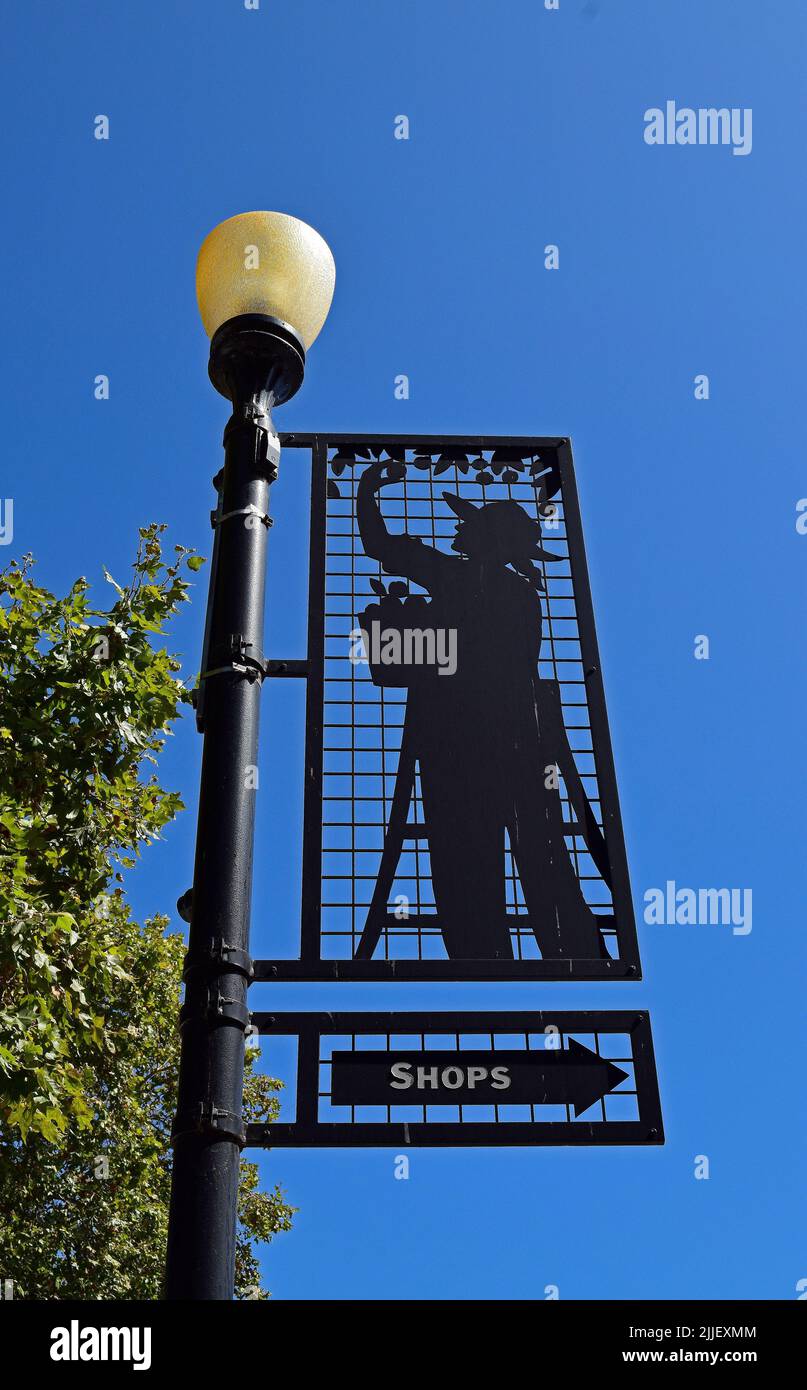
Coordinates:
(526, 129)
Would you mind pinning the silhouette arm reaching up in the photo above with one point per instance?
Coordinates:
(401, 553)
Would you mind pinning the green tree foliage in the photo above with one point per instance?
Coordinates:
(88, 998)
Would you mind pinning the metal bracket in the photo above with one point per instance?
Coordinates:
(218, 954)
(254, 669)
(291, 667)
(241, 662)
(252, 414)
(208, 1118)
(216, 519)
(216, 1009)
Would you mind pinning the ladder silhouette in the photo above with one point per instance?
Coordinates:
(400, 828)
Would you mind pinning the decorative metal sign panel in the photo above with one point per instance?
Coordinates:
(461, 815)
(437, 1079)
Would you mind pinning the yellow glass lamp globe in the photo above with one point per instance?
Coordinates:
(265, 263)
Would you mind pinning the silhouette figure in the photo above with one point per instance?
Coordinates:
(486, 738)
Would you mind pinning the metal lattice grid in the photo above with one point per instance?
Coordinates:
(362, 722)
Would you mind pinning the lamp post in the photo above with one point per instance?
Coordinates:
(264, 283)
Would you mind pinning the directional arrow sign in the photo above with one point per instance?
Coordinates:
(575, 1076)
(379, 1079)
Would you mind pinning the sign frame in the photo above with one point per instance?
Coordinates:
(312, 964)
(308, 1131)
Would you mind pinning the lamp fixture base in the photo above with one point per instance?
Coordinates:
(256, 355)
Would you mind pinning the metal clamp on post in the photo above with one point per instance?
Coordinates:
(216, 1008)
(218, 956)
(254, 414)
(217, 518)
(209, 1119)
(240, 663)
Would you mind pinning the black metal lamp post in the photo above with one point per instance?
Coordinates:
(265, 283)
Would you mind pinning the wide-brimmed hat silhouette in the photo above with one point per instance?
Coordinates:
(512, 530)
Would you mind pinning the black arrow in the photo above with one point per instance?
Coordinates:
(577, 1077)
(574, 1076)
